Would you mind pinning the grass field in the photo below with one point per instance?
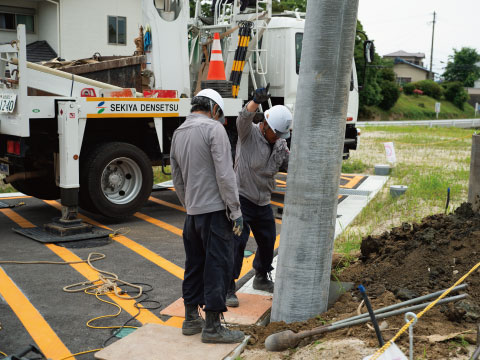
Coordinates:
(429, 161)
(420, 108)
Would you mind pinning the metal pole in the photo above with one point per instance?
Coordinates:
(404, 303)
(431, 49)
(305, 254)
(474, 182)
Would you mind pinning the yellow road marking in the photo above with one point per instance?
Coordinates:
(159, 223)
(165, 203)
(276, 203)
(21, 221)
(352, 180)
(15, 197)
(144, 317)
(132, 245)
(84, 269)
(40, 331)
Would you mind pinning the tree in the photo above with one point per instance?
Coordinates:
(370, 94)
(292, 5)
(461, 66)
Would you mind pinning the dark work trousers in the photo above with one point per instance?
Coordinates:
(208, 241)
(260, 220)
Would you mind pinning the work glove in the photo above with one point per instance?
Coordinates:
(238, 226)
(281, 146)
(261, 95)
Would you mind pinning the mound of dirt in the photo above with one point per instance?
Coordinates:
(420, 258)
(409, 261)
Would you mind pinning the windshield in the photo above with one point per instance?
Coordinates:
(298, 49)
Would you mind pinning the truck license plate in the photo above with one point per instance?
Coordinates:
(4, 169)
(7, 102)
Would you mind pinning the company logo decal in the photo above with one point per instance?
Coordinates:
(100, 107)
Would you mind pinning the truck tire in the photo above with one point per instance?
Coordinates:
(116, 180)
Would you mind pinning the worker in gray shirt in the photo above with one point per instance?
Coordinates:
(204, 180)
(261, 151)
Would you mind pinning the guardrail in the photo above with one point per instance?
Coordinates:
(460, 123)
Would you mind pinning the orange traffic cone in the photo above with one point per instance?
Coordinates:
(216, 71)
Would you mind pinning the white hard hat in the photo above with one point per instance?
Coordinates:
(212, 95)
(279, 118)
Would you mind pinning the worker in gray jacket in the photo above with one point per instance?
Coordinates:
(204, 180)
(261, 151)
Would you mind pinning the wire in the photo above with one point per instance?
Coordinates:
(80, 353)
(2, 353)
(137, 304)
(106, 282)
(100, 256)
(120, 232)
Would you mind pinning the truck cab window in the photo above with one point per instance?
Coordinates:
(298, 50)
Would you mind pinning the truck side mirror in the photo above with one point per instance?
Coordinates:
(352, 83)
(368, 51)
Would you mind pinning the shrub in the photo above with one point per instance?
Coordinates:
(390, 93)
(387, 74)
(456, 93)
(408, 88)
(430, 88)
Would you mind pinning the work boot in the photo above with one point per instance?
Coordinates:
(263, 281)
(232, 299)
(193, 323)
(215, 333)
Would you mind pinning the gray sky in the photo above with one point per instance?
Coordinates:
(407, 25)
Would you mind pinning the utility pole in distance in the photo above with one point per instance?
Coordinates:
(431, 49)
(306, 245)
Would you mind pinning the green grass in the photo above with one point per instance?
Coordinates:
(159, 176)
(430, 160)
(353, 166)
(410, 107)
(6, 188)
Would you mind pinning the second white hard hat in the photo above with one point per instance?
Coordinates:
(212, 95)
(279, 118)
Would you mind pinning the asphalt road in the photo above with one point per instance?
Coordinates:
(34, 309)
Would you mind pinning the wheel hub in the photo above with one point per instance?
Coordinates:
(121, 180)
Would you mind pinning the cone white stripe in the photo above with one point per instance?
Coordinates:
(216, 45)
(216, 57)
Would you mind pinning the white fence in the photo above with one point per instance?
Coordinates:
(460, 123)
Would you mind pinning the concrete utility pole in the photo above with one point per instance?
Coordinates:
(474, 181)
(431, 48)
(306, 246)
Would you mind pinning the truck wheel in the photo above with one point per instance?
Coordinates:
(116, 180)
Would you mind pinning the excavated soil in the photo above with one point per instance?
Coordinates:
(409, 261)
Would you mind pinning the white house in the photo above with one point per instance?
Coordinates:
(73, 29)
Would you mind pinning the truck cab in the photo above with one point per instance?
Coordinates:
(282, 43)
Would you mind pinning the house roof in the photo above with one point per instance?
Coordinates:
(40, 51)
(402, 53)
(401, 61)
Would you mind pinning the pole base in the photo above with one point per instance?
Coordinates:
(62, 227)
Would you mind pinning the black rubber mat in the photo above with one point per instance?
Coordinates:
(38, 234)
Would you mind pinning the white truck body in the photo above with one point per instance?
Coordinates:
(98, 151)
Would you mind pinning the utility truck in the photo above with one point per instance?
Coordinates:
(91, 145)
